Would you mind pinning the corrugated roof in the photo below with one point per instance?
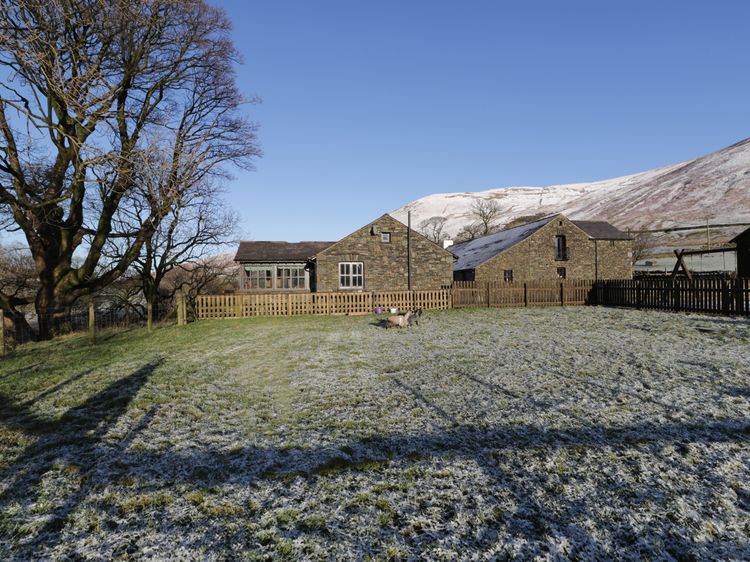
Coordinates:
(476, 252)
(261, 251)
(601, 230)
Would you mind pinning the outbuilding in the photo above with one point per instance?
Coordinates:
(553, 247)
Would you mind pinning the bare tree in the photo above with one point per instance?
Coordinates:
(215, 274)
(469, 232)
(643, 245)
(432, 228)
(197, 226)
(18, 284)
(92, 94)
(486, 212)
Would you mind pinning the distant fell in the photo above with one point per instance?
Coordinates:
(714, 188)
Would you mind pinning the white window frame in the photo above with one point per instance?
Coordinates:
(385, 237)
(352, 272)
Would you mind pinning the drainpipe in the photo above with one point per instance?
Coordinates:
(408, 250)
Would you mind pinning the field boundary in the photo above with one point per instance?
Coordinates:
(245, 305)
(679, 294)
(461, 295)
(713, 295)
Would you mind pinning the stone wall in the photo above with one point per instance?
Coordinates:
(615, 259)
(385, 263)
(534, 258)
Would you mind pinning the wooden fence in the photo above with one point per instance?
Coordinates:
(723, 296)
(700, 294)
(243, 305)
(531, 293)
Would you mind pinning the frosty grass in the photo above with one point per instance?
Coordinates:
(583, 433)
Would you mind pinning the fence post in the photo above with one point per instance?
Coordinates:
(726, 302)
(739, 307)
(149, 316)
(183, 302)
(2, 333)
(638, 297)
(92, 321)
(180, 309)
(488, 293)
(525, 295)
(562, 294)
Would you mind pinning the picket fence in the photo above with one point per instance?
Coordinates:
(243, 305)
(514, 294)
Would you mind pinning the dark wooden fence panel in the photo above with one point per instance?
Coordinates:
(700, 294)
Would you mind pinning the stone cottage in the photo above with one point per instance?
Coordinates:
(384, 255)
(550, 248)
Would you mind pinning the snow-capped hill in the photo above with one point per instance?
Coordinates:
(715, 187)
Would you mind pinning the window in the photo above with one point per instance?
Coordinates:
(290, 277)
(350, 275)
(385, 237)
(508, 275)
(282, 276)
(561, 248)
(561, 273)
(259, 276)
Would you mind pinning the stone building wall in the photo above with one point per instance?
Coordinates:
(385, 263)
(615, 259)
(534, 258)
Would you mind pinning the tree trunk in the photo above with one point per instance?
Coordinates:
(53, 312)
(18, 326)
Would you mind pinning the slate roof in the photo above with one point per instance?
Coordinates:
(475, 252)
(601, 230)
(269, 252)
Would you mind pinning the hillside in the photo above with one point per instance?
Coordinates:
(715, 187)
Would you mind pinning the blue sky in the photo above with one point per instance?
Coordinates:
(370, 105)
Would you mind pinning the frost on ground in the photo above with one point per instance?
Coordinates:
(583, 433)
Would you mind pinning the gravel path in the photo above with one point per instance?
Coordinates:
(584, 433)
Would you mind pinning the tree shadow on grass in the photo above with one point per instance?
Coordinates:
(71, 440)
(20, 370)
(501, 452)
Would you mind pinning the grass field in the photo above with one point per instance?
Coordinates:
(582, 433)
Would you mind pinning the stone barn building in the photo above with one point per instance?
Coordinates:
(384, 255)
(742, 243)
(550, 248)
